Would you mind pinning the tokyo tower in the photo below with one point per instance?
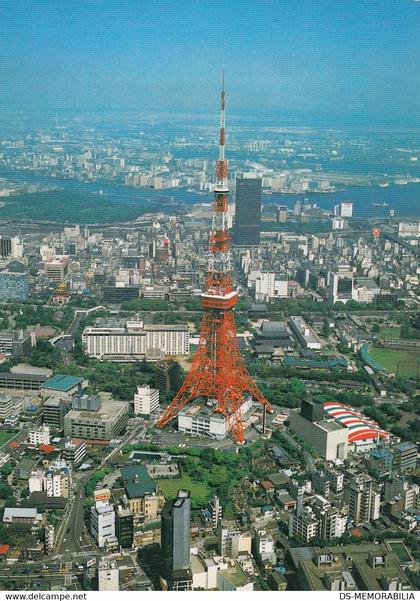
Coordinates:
(218, 373)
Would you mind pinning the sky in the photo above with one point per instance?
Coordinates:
(337, 60)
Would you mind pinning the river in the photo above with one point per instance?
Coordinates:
(404, 199)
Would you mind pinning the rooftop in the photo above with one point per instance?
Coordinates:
(236, 575)
(19, 512)
(109, 408)
(5, 375)
(405, 446)
(62, 383)
(137, 481)
(360, 427)
(330, 425)
(14, 267)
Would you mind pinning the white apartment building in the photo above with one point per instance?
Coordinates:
(264, 547)
(336, 479)
(136, 340)
(9, 407)
(232, 542)
(303, 525)
(74, 451)
(41, 436)
(57, 484)
(108, 575)
(146, 400)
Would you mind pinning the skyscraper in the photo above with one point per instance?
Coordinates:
(175, 540)
(248, 211)
(5, 247)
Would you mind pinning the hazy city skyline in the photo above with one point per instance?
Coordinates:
(334, 62)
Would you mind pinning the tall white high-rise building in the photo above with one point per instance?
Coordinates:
(102, 523)
(344, 209)
(264, 286)
(215, 512)
(146, 400)
(17, 248)
(41, 436)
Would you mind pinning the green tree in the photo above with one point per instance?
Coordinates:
(6, 469)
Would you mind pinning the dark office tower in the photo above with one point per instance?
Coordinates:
(313, 411)
(167, 376)
(5, 247)
(302, 276)
(124, 528)
(248, 211)
(175, 541)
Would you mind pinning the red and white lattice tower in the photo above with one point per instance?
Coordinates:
(218, 371)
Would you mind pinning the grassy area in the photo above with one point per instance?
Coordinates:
(390, 358)
(5, 436)
(200, 492)
(390, 332)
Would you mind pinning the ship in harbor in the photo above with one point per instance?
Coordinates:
(379, 204)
